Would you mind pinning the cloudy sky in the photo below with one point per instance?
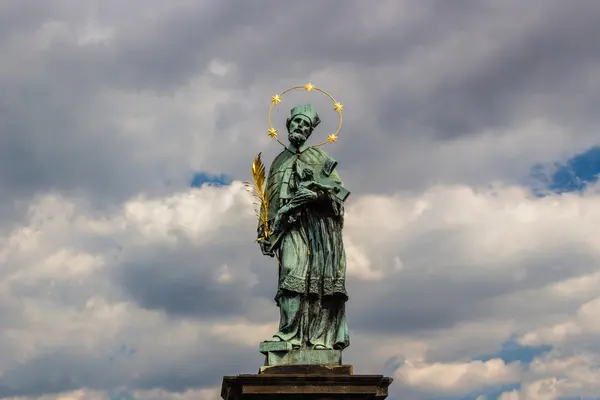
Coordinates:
(472, 231)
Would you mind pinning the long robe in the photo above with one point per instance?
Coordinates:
(311, 292)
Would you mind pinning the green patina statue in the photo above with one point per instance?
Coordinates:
(304, 197)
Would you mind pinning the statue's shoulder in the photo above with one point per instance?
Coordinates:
(283, 156)
(280, 159)
(315, 155)
(317, 151)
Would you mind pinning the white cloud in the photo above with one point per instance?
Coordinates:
(95, 33)
(543, 389)
(61, 282)
(573, 329)
(457, 378)
(156, 394)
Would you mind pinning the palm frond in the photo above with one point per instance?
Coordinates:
(257, 190)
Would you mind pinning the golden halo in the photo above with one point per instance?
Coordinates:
(308, 87)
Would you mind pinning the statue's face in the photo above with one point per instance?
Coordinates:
(299, 130)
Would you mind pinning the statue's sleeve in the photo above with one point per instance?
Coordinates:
(331, 174)
(337, 199)
(335, 176)
(338, 195)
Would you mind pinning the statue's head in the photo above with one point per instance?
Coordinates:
(303, 120)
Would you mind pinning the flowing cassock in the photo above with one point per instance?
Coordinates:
(311, 292)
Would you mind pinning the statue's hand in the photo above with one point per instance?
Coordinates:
(280, 217)
(303, 196)
(266, 248)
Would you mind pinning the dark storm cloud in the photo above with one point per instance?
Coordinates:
(420, 300)
(48, 142)
(53, 133)
(206, 371)
(66, 369)
(539, 70)
(185, 282)
(509, 61)
(537, 49)
(23, 16)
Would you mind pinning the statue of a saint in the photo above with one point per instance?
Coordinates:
(306, 215)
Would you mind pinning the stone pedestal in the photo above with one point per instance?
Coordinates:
(310, 382)
(282, 353)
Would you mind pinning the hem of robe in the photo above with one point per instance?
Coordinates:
(315, 286)
(342, 296)
(293, 330)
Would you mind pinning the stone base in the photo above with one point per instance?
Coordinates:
(309, 382)
(307, 370)
(265, 347)
(303, 357)
(282, 353)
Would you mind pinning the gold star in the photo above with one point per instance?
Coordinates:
(275, 99)
(332, 138)
(338, 107)
(273, 132)
(308, 87)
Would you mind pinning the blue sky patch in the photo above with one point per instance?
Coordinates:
(573, 176)
(512, 351)
(202, 178)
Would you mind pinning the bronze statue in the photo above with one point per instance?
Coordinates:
(301, 221)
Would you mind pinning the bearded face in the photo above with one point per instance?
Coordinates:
(299, 130)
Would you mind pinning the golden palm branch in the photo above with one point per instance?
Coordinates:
(257, 189)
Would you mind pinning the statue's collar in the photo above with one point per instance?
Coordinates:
(296, 150)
